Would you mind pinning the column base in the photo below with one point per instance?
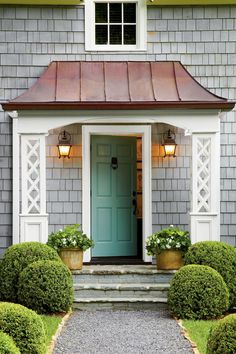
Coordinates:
(205, 227)
(34, 228)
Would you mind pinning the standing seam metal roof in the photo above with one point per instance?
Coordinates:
(116, 85)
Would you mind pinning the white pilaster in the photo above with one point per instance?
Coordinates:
(33, 219)
(205, 215)
(15, 180)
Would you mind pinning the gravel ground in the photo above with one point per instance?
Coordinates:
(122, 332)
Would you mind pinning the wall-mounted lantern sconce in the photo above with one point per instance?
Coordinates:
(169, 144)
(64, 144)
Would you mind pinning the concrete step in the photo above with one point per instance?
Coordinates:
(135, 290)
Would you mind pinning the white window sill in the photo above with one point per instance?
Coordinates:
(115, 49)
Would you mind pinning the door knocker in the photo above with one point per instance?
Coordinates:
(114, 163)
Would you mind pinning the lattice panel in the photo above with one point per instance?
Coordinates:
(203, 174)
(33, 176)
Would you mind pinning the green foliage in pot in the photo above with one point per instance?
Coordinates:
(222, 338)
(71, 236)
(7, 344)
(46, 287)
(15, 259)
(24, 326)
(198, 292)
(166, 239)
(217, 255)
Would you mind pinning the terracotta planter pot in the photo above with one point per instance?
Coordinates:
(169, 259)
(72, 257)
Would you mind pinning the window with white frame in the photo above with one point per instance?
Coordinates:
(114, 25)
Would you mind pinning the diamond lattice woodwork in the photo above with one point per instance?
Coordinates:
(203, 174)
(33, 174)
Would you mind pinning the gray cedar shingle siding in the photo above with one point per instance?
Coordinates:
(203, 39)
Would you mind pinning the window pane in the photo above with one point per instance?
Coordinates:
(129, 34)
(130, 13)
(101, 13)
(115, 13)
(115, 35)
(101, 34)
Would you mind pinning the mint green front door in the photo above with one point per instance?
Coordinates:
(113, 173)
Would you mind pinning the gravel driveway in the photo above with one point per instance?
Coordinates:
(121, 332)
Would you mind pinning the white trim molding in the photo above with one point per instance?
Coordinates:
(125, 130)
(141, 27)
(15, 181)
(205, 215)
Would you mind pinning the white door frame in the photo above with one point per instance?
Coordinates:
(125, 130)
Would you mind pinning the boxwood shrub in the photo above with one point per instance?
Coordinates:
(24, 326)
(221, 257)
(222, 338)
(46, 287)
(16, 258)
(198, 292)
(7, 344)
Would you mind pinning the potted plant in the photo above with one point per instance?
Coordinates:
(70, 243)
(169, 246)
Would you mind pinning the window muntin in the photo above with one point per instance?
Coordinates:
(115, 23)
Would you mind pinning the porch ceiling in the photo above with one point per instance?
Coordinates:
(117, 85)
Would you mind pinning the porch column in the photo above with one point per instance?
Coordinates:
(205, 215)
(33, 217)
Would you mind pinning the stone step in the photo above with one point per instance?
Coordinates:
(132, 303)
(136, 290)
(127, 287)
(121, 275)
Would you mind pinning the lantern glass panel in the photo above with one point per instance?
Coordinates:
(170, 150)
(64, 150)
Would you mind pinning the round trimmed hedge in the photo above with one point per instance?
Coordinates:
(198, 292)
(15, 259)
(24, 326)
(222, 338)
(46, 287)
(217, 255)
(7, 344)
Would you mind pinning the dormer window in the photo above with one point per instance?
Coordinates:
(115, 25)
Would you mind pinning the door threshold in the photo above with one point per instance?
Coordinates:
(116, 261)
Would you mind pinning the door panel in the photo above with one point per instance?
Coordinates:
(114, 226)
(104, 224)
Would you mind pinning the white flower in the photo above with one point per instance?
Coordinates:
(168, 247)
(171, 225)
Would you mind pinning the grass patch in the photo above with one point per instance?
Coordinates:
(51, 324)
(199, 332)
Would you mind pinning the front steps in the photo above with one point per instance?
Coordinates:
(126, 287)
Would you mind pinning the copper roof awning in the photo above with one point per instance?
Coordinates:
(117, 85)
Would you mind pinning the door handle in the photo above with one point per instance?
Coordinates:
(134, 202)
